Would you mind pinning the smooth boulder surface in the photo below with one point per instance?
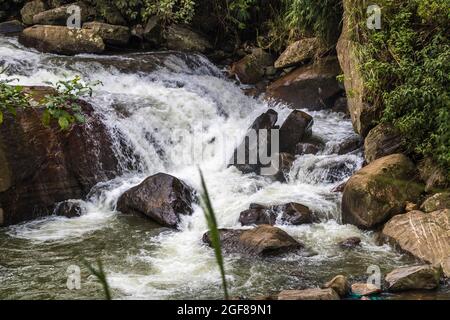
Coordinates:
(423, 277)
(309, 294)
(261, 241)
(298, 52)
(111, 34)
(161, 197)
(58, 16)
(184, 39)
(296, 128)
(62, 40)
(438, 201)
(251, 68)
(312, 87)
(379, 191)
(41, 166)
(382, 141)
(424, 235)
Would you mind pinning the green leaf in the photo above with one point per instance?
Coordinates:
(214, 233)
(1, 117)
(63, 123)
(46, 118)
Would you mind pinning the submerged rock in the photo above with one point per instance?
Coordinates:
(62, 40)
(311, 87)
(299, 52)
(70, 209)
(309, 294)
(365, 289)
(41, 166)
(350, 243)
(381, 141)
(261, 241)
(424, 235)
(291, 213)
(380, 190)
(340, 285)
(161, 197)
(423, 277)
(252, 68)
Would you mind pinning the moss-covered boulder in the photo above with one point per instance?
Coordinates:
(379, 191)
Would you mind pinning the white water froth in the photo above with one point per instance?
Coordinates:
(148, 110)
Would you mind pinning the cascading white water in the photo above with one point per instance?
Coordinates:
(155, 111)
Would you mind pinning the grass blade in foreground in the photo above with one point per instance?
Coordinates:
(100, 275)
(214, 232)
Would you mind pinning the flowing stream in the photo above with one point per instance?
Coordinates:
(156, 105)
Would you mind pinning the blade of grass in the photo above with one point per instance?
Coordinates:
(213, 232)
(101, 276)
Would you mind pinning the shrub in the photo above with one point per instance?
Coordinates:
(407, 73)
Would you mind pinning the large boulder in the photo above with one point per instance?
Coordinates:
(41, 166)
(296, 128)
(251, 68)
(423, 277)
(263, 240)
(309, 294)
(439, 201)
(30, 9)
(111, 34)
(299, 52)
(435, 177)
(58, 16)
(12, 27)
(250, 147)
(183, 39)
(62, 40)
(362, 113)
(380, 190)
(313, 87)
(161, 197)
(290, 213)
(381, 141)
(424, 235)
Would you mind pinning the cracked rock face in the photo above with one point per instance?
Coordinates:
(424, 235)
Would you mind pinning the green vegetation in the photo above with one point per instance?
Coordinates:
(63, 106)
(213, 233)
(11, 98)
(406, 70)
(101, 277)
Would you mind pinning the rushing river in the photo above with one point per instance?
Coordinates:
(154, 104)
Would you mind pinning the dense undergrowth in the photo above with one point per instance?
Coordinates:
(406, 69)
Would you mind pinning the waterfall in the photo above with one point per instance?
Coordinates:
(154, 105)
